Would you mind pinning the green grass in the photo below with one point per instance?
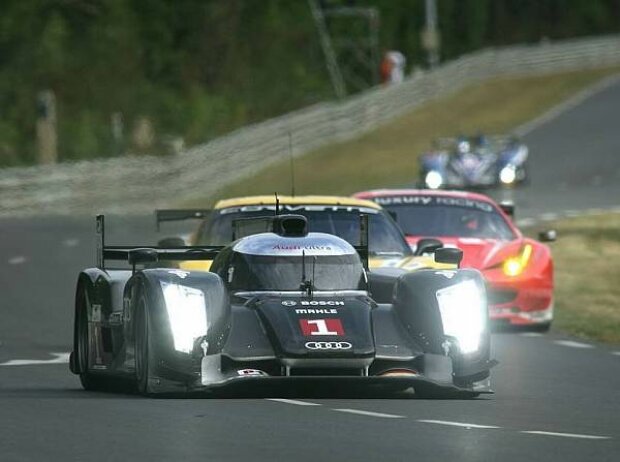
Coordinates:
(587, 277)
(388, 156)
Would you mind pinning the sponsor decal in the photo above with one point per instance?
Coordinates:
(299, 208)
(250, 372)
(434, 200)
(395, 200)
(302, 247)
(179, 273)
(328, 345)
(322, 303)
(316, 311)
(314, 303)
(314, 327)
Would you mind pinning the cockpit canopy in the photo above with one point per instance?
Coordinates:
(269, 262)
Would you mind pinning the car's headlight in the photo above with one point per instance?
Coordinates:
(186, 313)
(463, 309)
(516, 265)
(508, 174)
(433, 179)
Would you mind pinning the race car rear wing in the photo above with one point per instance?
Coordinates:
(136, 254)
(180, 215)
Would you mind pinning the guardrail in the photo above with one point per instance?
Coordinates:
(139, 184)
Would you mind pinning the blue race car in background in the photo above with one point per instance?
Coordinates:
(474, 162)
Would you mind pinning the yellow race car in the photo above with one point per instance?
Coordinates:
(336, 215)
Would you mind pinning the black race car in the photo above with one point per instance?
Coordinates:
(281, 307)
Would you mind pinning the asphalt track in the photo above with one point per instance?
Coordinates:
(556, 398)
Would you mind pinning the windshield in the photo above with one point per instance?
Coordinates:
(451, 220)
(268, 272)
(384, 236)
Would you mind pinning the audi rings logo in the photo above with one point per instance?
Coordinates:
(289, 302)
(328, 345)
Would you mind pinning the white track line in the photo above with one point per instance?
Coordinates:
(617, 353)
(531, 334)
(371, 414)
(18, 260)
(572, 344)
(293, 401)
(457, 424)
(567, 435)
(60, 358)
(71, 242)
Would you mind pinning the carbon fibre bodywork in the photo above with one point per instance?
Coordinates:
(166, 330)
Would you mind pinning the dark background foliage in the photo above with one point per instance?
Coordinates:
(200, 68)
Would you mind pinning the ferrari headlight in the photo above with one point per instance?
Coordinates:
(514, 266)
(508, 175)
(433, 179)
(463, 309)
(186, 313)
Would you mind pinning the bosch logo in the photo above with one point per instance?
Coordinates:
(289, 303)
(322, 303)
(328, 345)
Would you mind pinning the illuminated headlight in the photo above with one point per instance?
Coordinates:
(186, 313)
(463, 309)
(433, 179)
(516, 265)
(508, 175)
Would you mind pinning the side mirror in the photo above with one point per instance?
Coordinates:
(549, 235)
(449, 255)
(508, 208)
(171, 242)
(427, 245)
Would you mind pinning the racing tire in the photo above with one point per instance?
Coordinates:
(90, 381)
(143, 349)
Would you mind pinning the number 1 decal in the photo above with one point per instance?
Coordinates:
(313, 327)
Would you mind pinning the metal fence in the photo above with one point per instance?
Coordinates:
(138, 184)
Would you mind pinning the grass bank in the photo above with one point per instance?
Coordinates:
(587, 271)
(388, 156)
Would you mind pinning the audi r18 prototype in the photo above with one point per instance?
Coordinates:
(474, 162)
(518, 270)
(329, 214)
(281, 307)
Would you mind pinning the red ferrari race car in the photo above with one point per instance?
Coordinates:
(518, 270)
